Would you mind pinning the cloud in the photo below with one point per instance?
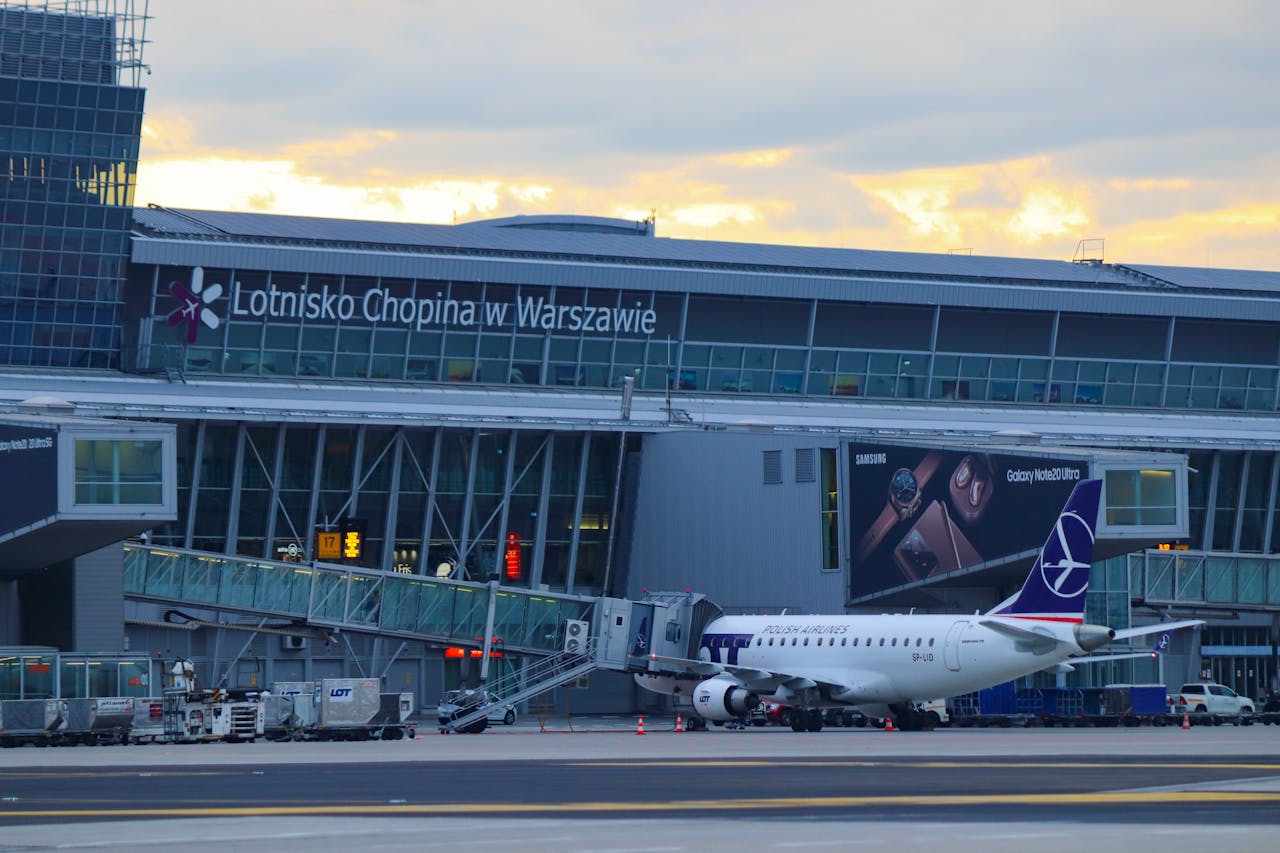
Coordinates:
(1008, 128)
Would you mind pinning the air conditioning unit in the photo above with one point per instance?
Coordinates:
(575, 636)
(292, 644)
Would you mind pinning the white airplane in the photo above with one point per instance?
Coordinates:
(885, 664)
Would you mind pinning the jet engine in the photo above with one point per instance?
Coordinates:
(718, 699)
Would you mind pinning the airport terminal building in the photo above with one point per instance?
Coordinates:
(578, 406)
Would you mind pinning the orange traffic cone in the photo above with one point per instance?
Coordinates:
(679, 722)
(888, 724)
(1186, 722)
(640, 725)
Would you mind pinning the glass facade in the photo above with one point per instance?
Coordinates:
(110, 471)
(53, 675)
(533, 507)
(351, 327)
(69, 136)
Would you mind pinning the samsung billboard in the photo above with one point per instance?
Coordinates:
(29, 471)
(919, 513)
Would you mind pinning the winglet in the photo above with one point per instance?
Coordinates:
(1055, 587)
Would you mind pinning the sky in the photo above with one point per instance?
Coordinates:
(1150, 129)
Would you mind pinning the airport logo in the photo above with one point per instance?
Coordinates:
(193, 304)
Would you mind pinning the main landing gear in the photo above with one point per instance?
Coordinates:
(806, 720)
(909, 719)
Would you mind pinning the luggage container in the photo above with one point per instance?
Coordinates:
(33, 721)
(97, 721)
(290, 709)
(346, 709)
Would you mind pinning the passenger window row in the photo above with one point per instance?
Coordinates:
(844, 641)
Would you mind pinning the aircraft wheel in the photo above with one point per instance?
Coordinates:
(797, 723)
(813, 720)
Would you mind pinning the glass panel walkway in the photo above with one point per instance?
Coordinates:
(410, 606)
(1205, 580)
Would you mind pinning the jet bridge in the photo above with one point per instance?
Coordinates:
(561, 637)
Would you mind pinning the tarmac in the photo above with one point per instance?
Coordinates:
(616, 738)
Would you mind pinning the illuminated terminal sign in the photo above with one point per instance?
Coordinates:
(347, 543)
(380, 305)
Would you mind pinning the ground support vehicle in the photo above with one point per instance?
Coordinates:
(204, 715)
(1269, 711)
(459, 703)
(30, 721)
(1218, 701)
(192, 714)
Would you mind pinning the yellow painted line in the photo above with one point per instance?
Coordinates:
(934, 765)
(1087, 799)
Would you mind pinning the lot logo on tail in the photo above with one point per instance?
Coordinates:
(1066, 576)
(641, 646)
(1055, 588)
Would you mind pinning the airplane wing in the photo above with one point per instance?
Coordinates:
(1163, 627)
(756, 679)
(1040, 643)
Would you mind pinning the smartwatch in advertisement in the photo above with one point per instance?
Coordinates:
(905, 489)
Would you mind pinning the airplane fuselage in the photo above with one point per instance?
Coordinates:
(889, 658)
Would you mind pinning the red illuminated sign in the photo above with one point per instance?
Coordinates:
(513, 556)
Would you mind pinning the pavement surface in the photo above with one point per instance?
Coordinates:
(597, 785)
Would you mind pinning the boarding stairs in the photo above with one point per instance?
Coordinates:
(538, 677)
(195, 589)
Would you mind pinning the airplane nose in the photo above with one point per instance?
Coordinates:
(1090, 637)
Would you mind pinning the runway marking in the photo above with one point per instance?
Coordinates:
(454, 809)
(932, 765)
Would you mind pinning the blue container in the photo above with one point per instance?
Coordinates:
(1001, 699)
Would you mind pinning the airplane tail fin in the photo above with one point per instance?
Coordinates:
(1055, 587)
(641, 646)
